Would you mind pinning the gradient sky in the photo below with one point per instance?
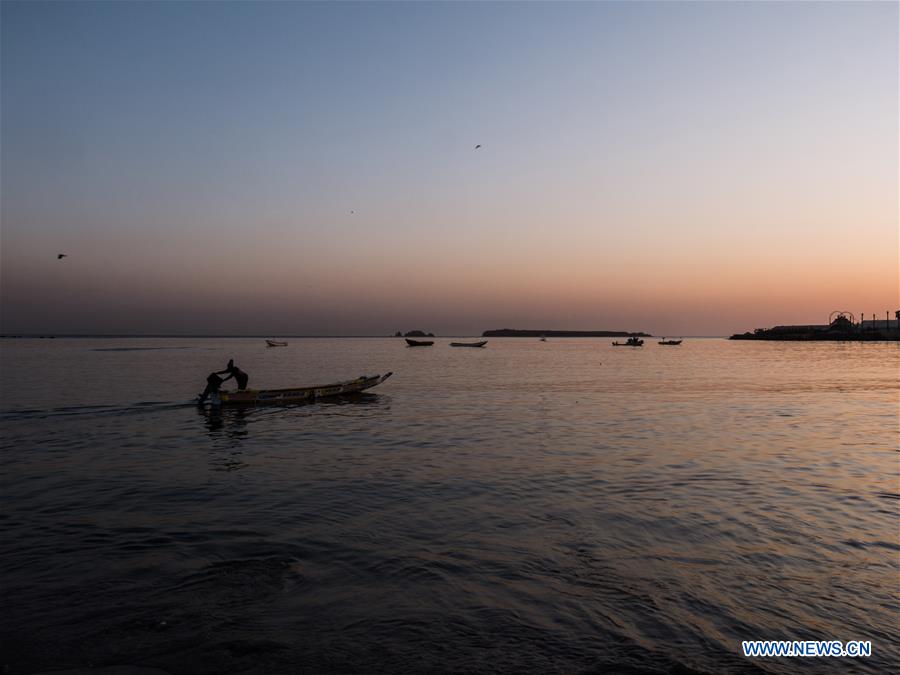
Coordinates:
(678, 168)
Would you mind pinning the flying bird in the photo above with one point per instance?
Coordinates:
(60, 256)
(477, 146)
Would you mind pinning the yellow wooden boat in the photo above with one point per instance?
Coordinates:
(296, 394)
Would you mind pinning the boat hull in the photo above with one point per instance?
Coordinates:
(276, 343)
(469, 344)
(297, 394)
(419, 343)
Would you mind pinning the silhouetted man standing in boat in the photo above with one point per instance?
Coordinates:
(239, 375)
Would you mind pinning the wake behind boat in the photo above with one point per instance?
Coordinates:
(469, 344)
(296, 394)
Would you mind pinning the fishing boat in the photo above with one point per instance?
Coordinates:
(275, 343)
(669, 342)
(630, 342)
(419, 343)
(296, 394)
(469, 344)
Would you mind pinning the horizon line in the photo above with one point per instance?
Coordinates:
(51, 336)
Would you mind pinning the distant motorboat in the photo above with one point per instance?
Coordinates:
(543, 338)
(419, 343)
(275, 343)
(630, 342)
(469, 344)
(669, 342)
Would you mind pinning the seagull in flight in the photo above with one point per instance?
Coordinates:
(60, 256)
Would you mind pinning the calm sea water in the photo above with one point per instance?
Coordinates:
(564, 506)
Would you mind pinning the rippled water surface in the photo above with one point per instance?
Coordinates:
(564, 506)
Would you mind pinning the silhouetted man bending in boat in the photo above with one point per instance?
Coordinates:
(213, 382)
(239, 375)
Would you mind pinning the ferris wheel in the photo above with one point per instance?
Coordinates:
(835, 315)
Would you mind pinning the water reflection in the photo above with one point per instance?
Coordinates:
(359, 398)
(230, 425)
(231, 421)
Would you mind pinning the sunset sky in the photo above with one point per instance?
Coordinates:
(298, 168)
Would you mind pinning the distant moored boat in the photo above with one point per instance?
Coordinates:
(469, 344)
(630, 342)
(669, 342)
(275, 343)
(419, 343)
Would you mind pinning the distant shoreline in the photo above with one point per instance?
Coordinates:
(262, 336)
(570, 334)
(518, 332)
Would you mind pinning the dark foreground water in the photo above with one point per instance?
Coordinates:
(564, 506)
